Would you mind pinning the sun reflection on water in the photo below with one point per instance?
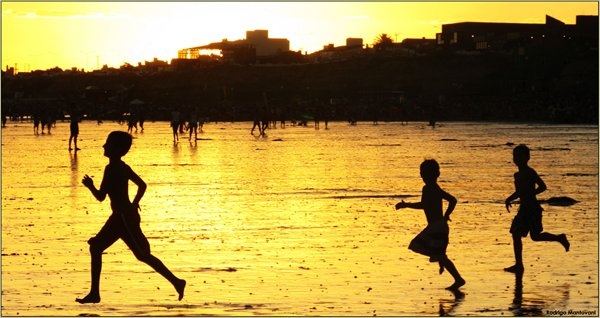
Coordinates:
(300, 226)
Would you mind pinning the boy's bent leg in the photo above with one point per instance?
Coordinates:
(158, 266)
(565, 243)
(139, 245)
(549, 237)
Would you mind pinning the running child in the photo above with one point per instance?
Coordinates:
(124, 222)
(433, 240)
(528, 184)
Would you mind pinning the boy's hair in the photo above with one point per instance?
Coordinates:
(522, 151)
(121, 141)
(430, 170)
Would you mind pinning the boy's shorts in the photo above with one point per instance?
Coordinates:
(528, 219)
(125, 227)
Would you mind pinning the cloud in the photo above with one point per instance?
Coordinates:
(356, 17)
(62, 15)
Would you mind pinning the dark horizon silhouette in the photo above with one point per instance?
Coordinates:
(499, 75)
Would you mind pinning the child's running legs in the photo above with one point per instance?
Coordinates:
(94, 295)
(458, 280)
(538, 237)
(518, 250)
(548, 237)
(158, 266)
(137, 242)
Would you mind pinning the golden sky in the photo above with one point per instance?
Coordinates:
(88, 35)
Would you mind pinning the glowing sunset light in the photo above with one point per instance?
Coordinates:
(88, 35)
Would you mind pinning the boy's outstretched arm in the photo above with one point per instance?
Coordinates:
(402, 204)
(89, 183)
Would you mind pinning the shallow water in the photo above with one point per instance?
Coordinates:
(298, 223)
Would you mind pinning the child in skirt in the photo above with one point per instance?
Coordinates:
(433, 240)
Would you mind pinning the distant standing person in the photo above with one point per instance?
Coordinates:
(182, 123)
(528, 184)
(74, 128)
(141, 118)
(132, 122)
(175, 121)
(201, 121)
(124, 222)
(255, 124)
(46, 120)
(433, 240)
(36, 123)
(193, 124)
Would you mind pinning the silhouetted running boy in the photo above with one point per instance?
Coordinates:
(124, 222)
(529, 216)
(433, 240)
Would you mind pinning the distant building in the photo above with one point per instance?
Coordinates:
(418, 46)
(10, 70)
(330, 52)
(256, 46)
(354, 43)
(487, 36)
(265, 46)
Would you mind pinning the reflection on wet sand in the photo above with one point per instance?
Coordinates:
(447, 307)
(536, 306)
(301, 226)
(530, 308)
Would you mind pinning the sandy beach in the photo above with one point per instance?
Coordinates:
(301, 222)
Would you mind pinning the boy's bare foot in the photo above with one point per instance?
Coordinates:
(515, 269)
(563, 240)
(93, 299)
(441, 268)
(457, 284)
(180, 287)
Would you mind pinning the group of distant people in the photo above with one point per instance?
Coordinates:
(45, 120)
(191, 122)
(133, 118)
(263, 125)
(124, 223)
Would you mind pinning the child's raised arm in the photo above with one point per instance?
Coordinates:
(402, 205)
(100, 195)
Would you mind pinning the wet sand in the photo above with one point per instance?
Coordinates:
(298, 223)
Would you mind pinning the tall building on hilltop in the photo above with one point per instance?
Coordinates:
(256, 45)
(259, 39)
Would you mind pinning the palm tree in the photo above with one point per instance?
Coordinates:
(382, 42)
